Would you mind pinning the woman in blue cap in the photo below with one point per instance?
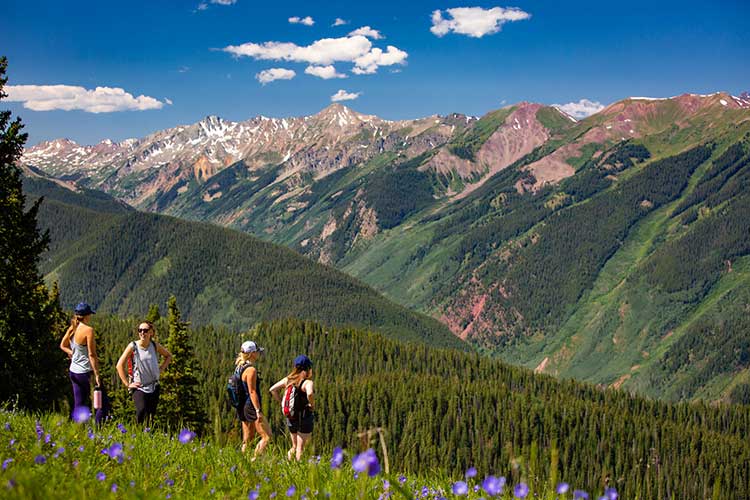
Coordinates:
(298, 404)
(80, 346)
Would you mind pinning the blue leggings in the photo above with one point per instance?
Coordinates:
(82, 393)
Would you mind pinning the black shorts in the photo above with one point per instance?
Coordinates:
(303, 424)
(247, 413)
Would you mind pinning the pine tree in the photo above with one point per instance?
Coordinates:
(153, 313)
(179, 405)
(29, 316)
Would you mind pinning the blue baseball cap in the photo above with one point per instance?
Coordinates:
(83, 309)
(303, 362)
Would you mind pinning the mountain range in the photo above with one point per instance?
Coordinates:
(612, 249)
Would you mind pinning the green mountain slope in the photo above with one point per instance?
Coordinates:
(123, 260)
(602, 249)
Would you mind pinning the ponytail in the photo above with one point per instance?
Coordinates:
(294, 377)
(74, 322)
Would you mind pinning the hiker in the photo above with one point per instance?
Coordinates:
(80, 346)
(297, 404)
(143, 378)
(250, 414)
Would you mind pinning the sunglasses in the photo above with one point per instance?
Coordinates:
(144, 330)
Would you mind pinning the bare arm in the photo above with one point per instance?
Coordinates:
(65, 342)
(309, 391)
(121, 367)
(275, 388)
(249, 377)
(166, 355)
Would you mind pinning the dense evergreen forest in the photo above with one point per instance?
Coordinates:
(123, 260)
(443, 410)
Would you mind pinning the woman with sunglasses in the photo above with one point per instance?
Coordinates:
(143, 382)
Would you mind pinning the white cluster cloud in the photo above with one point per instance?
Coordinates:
(356, 49)
(324, 72)
(307, 21)
(580, 109)
(343, 95)
(224, 2)
(475, 21)
(369, 63)
(69, 97)
(368, 32)
(269, 75)
(339, 22)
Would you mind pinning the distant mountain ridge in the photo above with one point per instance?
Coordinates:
(539, 238)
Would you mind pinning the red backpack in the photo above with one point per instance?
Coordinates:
(291, 401)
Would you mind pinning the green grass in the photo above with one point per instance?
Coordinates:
(47, 456)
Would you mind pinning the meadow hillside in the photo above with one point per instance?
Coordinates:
(442, 411)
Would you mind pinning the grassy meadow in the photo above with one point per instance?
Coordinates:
(48, 456)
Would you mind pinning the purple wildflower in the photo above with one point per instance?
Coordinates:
(39, 430)
(460, 488)
(81, 448)
(521, 490)
(114, 488)
(81, 414)
(471, 472)
(7, 426)
(232, 469)
(338, 458)
(562, 488)
(367, 461)
(59, 451)
(169, 482)
(253, 495)
(291, 491)
(122, 428)
(100, 476)
(11, 484)
(47, 438)
(611, 494)
(580, 494)
(75, 463)
(91, 434)
(6, 463)
(401, 479)
(40, 460)
(493, 486)
(12, 442)
(272, 495)
(204, 476)
(186, 435)
(132, 484)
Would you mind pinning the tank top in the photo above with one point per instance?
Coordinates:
(146, 369)
(79, 362)
(301, 403)
(257, 387)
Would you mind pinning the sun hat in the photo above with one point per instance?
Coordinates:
(249, 346)
(303, 362)
(83, 309)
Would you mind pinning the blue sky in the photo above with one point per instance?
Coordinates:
(165, 63)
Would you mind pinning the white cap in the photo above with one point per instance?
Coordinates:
(249, 346)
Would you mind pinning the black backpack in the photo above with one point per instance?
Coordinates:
(236, 389)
